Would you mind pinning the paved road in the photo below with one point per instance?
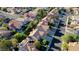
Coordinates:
(14, 15)
(8, 15)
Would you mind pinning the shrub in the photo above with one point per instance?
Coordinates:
(20, 36)
(14, 42)
(13, 32)
(4, 28)
(65, 46)
(5, 45)
(66, 38)
(38, 44)
(70, 37)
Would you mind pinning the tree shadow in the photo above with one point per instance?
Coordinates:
(55, 40)
(58, 33)
(55, 47)
(58, 47)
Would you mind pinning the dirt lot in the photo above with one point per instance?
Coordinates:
(73, 46)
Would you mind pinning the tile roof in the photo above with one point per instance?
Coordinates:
(30, 14)
(42, 28)
(15, 23)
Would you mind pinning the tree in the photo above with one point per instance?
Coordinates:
(14, 42)
(45, 42)
(4, 28)
(0, 23)
(75, 37)
(5, 25)
(30, 27)
(50, 8)
(66, 38)
(65, 46)
(71, 11)
(20, 36)
(5, 45)
(37, 44)
(5, 9)
(14, 32)
(1, 19)
(69, 21)
(70, 38)
(41, 13)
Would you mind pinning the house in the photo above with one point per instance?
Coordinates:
(14, 24)
(75, 10)
(11, 10)
(23, 20)
(5, 33)
(17, 23)
(77, 31)
(1, 16)
(30, 14)
(74, 25)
